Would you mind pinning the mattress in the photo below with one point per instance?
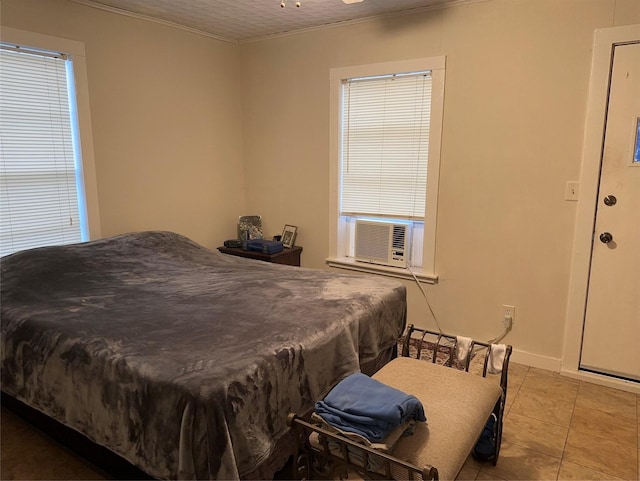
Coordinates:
(182, 360)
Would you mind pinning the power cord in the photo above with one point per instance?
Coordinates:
(506, 331)
(424, 294)
(509, 320)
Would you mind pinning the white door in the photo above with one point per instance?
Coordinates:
(611, 336)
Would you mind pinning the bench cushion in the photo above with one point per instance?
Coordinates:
(457, 405)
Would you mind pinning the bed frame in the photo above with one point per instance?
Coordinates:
(459, 396)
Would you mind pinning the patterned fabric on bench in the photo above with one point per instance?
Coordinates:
(457, 404)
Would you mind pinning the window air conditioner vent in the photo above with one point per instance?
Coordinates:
(399, 236)
(384, 243)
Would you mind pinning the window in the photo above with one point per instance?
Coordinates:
(42, 182)
(386, 126)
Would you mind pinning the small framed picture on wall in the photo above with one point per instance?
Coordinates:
(289, 235)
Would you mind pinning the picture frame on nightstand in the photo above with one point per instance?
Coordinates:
(289, 235)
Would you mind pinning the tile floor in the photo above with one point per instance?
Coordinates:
(555, 429)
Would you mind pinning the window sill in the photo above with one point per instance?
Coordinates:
(399, 272)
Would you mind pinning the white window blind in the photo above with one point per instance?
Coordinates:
(385, 145)
(39, 203)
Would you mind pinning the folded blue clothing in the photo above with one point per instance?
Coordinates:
(365, 406)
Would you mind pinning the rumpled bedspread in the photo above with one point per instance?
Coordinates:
(182, 360)
(362, 405)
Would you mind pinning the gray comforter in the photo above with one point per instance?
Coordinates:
(182, 360)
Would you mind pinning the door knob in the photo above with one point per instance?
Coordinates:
(610, 200)
(605, 237)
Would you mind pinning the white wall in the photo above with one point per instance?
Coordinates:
(516, 91)
(165, 108)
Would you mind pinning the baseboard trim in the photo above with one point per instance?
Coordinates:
(536, 360)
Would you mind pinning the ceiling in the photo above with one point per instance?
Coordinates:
(247, 20)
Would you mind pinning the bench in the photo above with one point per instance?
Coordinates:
(458, 395)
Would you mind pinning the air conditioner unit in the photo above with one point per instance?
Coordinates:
(385, 243)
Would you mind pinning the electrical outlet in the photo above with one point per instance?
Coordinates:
(508, 315)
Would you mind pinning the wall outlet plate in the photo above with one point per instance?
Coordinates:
(508, 314)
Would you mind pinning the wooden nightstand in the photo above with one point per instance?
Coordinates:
(290, 257)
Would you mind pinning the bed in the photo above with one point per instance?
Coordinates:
(182, 360)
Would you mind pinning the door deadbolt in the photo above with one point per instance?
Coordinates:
(610, 200)
(606, 237)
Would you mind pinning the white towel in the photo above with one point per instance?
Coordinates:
(463, 344)
(496, 358)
